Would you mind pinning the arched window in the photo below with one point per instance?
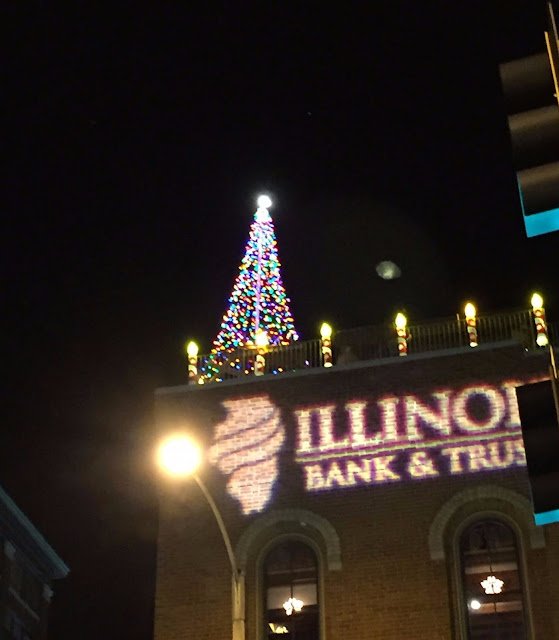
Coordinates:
(290, 592)
(492, 583)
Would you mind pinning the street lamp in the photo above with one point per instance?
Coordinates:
(180, 456)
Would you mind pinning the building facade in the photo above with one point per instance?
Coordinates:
(28, 567)
(382, 498)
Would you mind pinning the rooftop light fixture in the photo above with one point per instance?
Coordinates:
(325, 330)
(192, 349)
(537, 301)
(400, 321)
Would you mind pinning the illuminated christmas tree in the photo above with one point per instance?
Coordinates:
(258, 302)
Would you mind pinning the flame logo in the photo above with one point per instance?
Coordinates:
(245, 448)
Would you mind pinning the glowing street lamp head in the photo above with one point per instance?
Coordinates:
(470, 310)
(325, 330)
(537, 301)
(264, 202)
(400, 321)
(475, 604)
(179, 455)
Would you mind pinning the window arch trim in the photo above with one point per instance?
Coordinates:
(521, 505)
(300, 517)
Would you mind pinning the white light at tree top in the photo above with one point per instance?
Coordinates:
(264, 202)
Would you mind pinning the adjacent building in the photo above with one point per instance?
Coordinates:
(29, 565)
(382, 497)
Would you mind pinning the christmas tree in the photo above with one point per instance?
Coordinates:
(258, 302)
(258, 312)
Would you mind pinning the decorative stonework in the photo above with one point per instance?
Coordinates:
(301, 517)
(519, 503)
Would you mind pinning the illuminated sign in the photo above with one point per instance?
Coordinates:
(245, 449)
(408, 438)
(369, 441)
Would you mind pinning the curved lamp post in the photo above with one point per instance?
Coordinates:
(179, 456)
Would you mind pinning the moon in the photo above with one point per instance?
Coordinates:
(388, 270)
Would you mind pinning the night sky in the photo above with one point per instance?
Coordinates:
(138, 138)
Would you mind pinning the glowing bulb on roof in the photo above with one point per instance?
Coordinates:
(537, 301)
(470, 310)
(326, 330)
(400, 321)
(192, 349)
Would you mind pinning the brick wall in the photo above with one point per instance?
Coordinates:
(388, 586)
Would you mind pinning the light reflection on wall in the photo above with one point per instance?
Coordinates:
(370, 441)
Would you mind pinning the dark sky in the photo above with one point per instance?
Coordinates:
(138, 137)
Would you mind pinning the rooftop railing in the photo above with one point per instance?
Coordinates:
(369, 343)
